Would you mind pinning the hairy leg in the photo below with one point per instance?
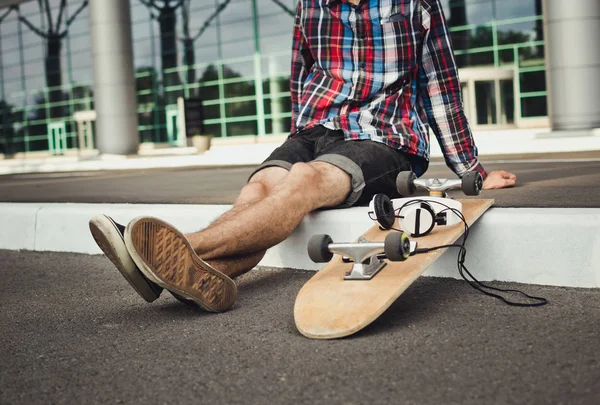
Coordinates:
(257, 189)
(257, 226)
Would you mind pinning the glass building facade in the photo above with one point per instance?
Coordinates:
(234, 56)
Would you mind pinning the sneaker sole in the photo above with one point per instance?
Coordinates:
(109, 239)
(160, 250)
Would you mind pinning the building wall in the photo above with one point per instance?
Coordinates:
(235, 55)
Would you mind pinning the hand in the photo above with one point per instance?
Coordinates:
(499, 179)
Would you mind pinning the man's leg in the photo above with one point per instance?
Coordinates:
(258, 187)
(164, 254)
(275, 167)
(109, 236)
(360, 169)
(274, 211)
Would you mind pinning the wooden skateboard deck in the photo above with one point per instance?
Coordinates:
(329, 307)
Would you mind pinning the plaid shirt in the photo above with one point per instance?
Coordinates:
(383, 70)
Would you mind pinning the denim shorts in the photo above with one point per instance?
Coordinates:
(373, 166)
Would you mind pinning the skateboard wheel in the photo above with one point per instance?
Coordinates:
(397, 246)
(384, 210)
(405, 183)
(318, 248)
(472, 183)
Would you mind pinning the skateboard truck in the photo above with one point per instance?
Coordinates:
(471, 183)
(366, 255)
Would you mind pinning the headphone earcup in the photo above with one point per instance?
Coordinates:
(418, 219)
(384, 210)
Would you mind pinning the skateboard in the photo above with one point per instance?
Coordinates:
(364, 277)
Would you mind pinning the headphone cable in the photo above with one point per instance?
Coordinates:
(462, 269)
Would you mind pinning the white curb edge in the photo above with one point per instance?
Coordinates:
(546, 246)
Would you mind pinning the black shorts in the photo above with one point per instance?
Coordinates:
(373, 166)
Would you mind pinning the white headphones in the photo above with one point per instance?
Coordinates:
(416, 215)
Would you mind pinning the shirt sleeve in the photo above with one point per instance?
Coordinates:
(441, 94)
(299, 71)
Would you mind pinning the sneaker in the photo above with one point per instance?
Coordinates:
(109, 236)
(163, 254)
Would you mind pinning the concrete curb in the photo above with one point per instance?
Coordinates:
(550, 246)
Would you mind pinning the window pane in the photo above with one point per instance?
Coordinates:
(533, 81)
(485, 100)
(534, 107)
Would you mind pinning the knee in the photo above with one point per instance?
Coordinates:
(320, 184)
(252, 192)
(300, 179)
(260, 185)
(304, 175)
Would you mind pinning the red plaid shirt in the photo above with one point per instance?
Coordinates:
(383, 70)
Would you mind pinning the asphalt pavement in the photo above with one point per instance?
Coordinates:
(543, 180)
(74, 332)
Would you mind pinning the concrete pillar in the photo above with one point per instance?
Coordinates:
(572, 31)
(114, 77)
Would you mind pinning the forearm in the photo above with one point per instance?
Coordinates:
(451, 128)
